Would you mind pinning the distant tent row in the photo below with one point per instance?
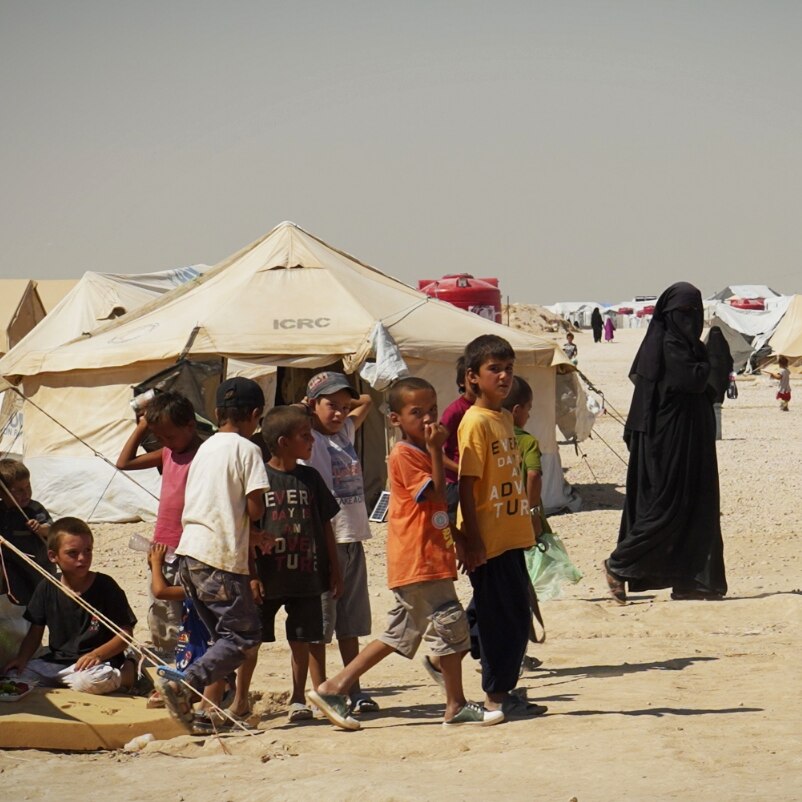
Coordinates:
(276, 310)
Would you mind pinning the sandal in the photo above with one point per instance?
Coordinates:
(335, 708)
(299, 712)
(208, 722)
(618, 589)
(178, 696)
(362, 703)
(436, 675)
(476, 714)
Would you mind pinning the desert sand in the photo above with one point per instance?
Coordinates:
(656, 700)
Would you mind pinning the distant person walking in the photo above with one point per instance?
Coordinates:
(596, 323)
(670, 533)
(609, 328)
(784, 377)
(721, 365)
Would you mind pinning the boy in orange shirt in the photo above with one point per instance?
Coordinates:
(421, 566)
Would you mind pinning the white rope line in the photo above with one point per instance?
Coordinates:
(128, 638)
(94, 451)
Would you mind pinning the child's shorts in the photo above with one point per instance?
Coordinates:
(102, 678)
(430, 611)
(304, 618)
(783, 396)
(348, 616)
(164, 617)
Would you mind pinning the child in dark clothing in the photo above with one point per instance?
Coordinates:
(25, 523)
(303, 562)
(84, 654)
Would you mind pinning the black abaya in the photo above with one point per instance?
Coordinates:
(596, 324)
(670, 534)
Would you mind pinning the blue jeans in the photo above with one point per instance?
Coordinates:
(225, 604)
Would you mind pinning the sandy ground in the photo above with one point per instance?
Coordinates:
(655, 700)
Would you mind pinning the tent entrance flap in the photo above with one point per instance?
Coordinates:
(195, 380)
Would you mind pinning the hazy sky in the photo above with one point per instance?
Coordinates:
(576, 150)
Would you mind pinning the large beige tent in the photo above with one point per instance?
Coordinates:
(77, 307)
(787, 337)
(286, 300)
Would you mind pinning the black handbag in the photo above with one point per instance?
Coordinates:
(732, 389)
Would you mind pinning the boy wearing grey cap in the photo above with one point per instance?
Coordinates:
(224, 495)
(337, 412)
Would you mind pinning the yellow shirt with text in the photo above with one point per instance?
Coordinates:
(488, 450)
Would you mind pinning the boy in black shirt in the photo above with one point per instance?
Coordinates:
(84, 654)
(303, 562)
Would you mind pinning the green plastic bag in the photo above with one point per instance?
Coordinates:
(551, 568)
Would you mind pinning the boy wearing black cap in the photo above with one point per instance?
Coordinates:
(337, 412)
(225, 493)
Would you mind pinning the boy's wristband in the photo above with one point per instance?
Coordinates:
(536, 510)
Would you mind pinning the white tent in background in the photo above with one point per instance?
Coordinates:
(744, 291)
(576, 311)
(91, 301)
(288, 300)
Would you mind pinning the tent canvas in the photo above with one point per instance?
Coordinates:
(286, 300)
(93, 300)
(787, 337)
(744, 291)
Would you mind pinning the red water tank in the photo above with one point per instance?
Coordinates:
(478, 295)
(748, 303)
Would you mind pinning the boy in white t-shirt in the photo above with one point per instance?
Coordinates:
(337, 412)
(224, 495)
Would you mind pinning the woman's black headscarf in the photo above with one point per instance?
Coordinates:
(721, 364)
(678, 317)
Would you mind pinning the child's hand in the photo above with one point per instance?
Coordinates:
(475, 555)
(336, 584)
(33, 525)
(257, 591)
(156, 555)
(15, 666)
(262, 540)
(435, 435)
(87, 661)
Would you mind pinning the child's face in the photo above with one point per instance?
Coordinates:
(21, 492)
(74, 555)
(298, 444)
(493, 380)
(331, 411)
(419, 410)
(176, 438)
(521, 413)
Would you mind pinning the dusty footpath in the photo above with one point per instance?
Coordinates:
(657, 700)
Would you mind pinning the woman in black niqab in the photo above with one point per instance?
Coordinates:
(670, 534)
(721, 366)
(596, 324)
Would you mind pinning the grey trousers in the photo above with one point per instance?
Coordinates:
(225, 605)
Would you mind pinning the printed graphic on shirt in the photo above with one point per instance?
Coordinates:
(507, 495)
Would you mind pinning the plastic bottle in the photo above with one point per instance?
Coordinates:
(139, 543)
(140, 742)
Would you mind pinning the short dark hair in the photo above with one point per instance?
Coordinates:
(232, 414)
(461, 373)
(520, 393)
(67, 526)
(282, 421)
(484, 347)
(174, 406)
(395, 398)
(11, 471)
(783, 361)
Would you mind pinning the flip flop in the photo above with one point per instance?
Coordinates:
(207, 722)
(299, 712)
(617, 587)
(475, 714)
(436, 675)
(362, 703)
(335, 708)
(178, 700)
